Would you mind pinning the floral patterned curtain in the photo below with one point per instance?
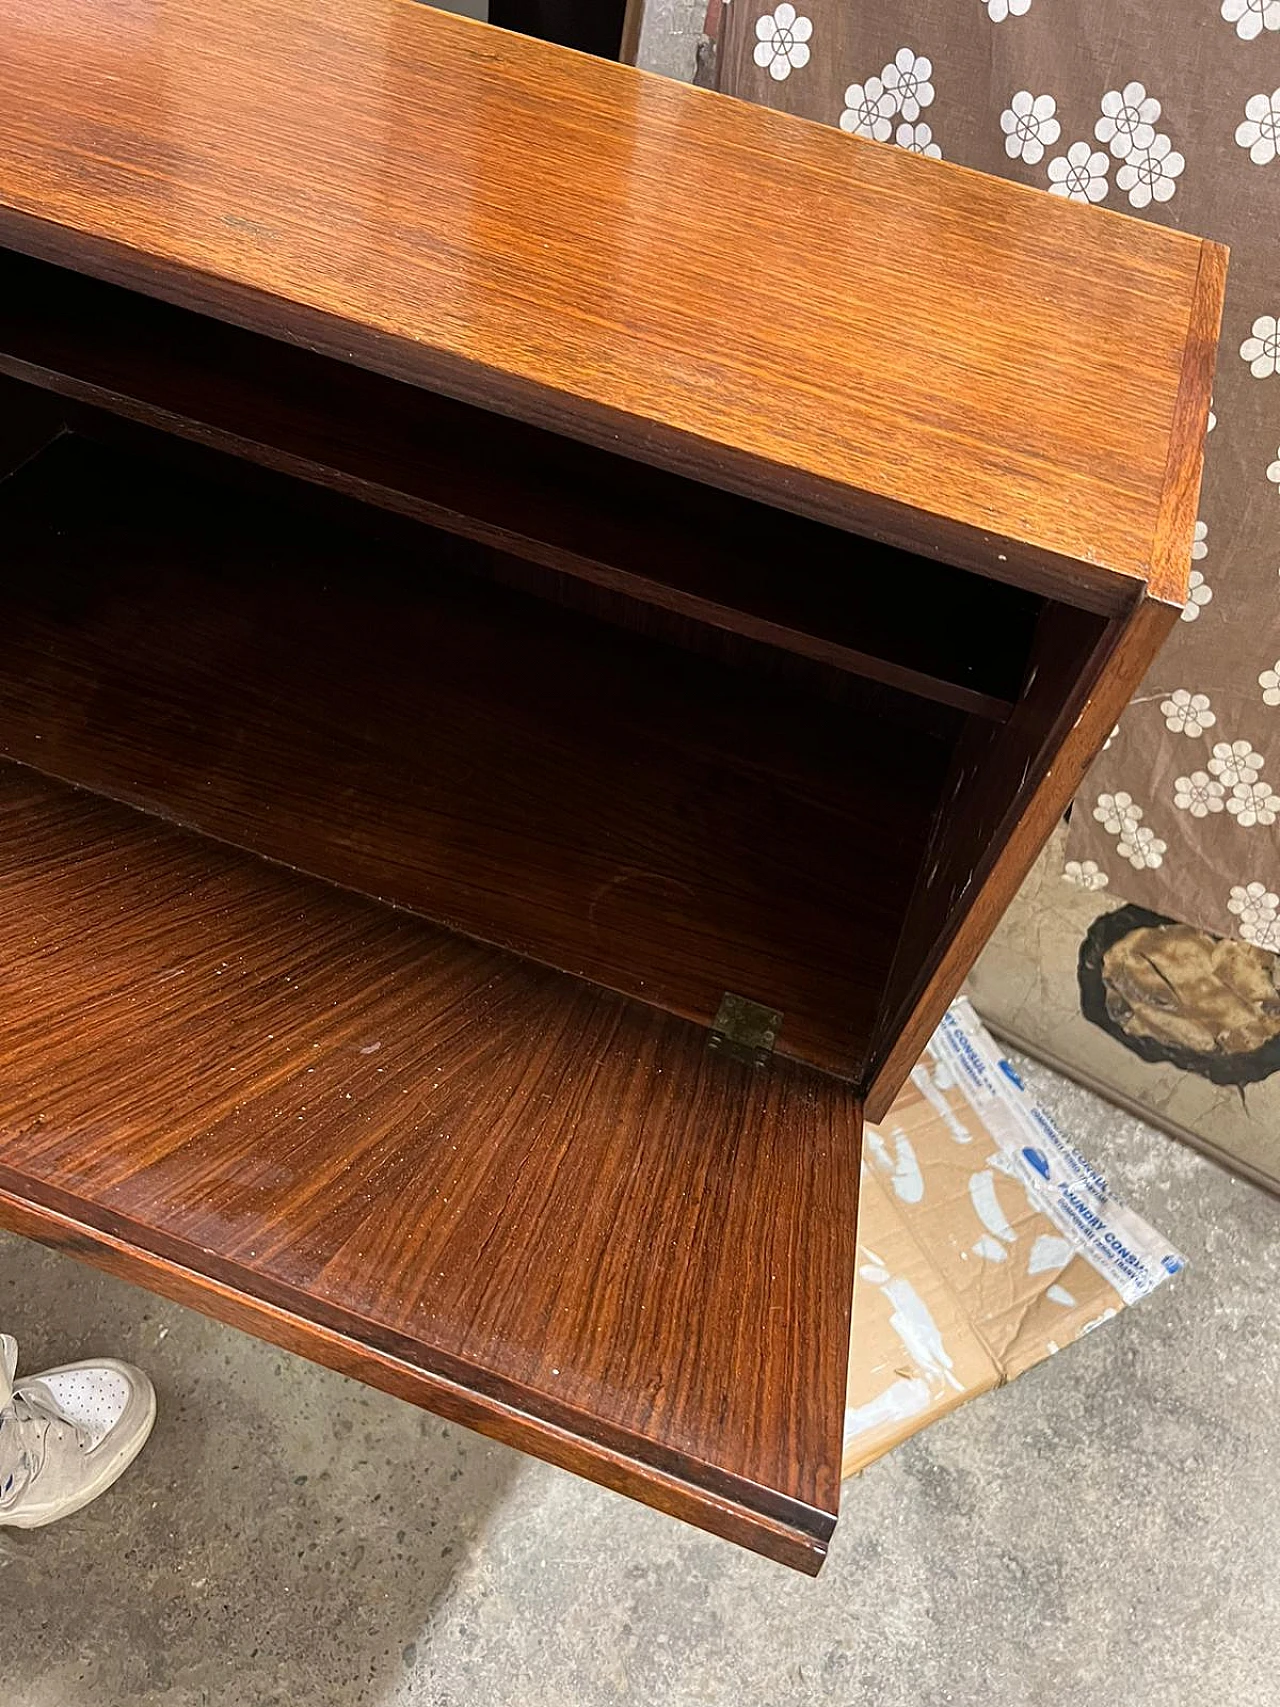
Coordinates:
(1167, 110)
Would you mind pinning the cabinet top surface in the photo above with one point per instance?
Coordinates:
(965, 366)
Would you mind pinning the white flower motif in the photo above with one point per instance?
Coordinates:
(999, 10)
(1198, 794)
(1115, 730)
(1149, 173)
(1085, 874)
(1262, 351)
(868, 110)
(1080, 174)
(1258, 910)
(1265, 935)
(1269, 682)
(1187, 713)
(1273, 471)
(1253, 904)
(917, 139)
(1251, 17)
(907, 80)
(1029, 126)
(1128, 121)
(1142, 848)
(1213, 419)
(782, 41)
(1199, 593)
(1253, 803)
(1200, 542)
(1117, 814)
(1259, 130)
(1235, 761)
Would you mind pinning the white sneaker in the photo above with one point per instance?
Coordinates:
(66, 1435)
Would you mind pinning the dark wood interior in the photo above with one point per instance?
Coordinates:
(609, 28)
(253, 660)
(992, 776)
(551, 762)
(794, 584)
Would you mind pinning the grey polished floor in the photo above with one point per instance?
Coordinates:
(1105, 1528)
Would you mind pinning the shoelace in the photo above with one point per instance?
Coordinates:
(25, 1428)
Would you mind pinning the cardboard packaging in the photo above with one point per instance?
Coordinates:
(986, 1244)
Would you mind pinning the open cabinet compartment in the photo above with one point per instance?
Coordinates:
(522, 1190)
(455, 632)
(376, 704)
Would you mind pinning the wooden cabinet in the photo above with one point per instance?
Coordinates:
(521, 700)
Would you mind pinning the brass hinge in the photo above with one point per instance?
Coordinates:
(744, 1030)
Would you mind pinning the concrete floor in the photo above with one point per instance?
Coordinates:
(1106, 1526)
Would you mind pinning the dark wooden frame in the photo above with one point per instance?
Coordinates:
(609, 28)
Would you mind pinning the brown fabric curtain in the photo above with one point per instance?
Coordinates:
(1166, 110)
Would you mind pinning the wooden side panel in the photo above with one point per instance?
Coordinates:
(1175, 526)
(989, 771)
(543, 1210)
(1008, 790)
(1010, 786)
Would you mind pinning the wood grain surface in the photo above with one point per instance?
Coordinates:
(952, 363)
(547, 1211)
(1023, 781)
(257, 666)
